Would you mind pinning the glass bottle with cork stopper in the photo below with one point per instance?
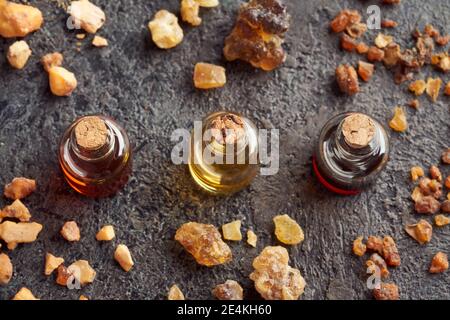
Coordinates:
(223, 156)
(95, 156)
(352, 150)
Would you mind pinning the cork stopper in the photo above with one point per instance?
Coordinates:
(358, 130)
(91, 133)
(229, 128)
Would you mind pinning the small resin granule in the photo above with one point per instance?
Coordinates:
(365, 70)
(165, 30)
(52, 263)
(376, 263)
(398, 122)
(6, 269)
(209, 76)
(439, 263)
(416, 173)
(123, 256)
(70, 231)
(18, 54)
(390, 252)
(19, 188)
(82, 272)
(421, 231)
(440, 220)
(86, 15)
(359, 248)
(347, 79)
(24, 294)
(387, 291)
(230, 290)
(16, 210)
(252, 238)
(175, 293)
(232, 231)
(287, 230)
(106, 233)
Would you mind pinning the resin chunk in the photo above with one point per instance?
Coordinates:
(258, 34)
(230, 290)
(274, 278)
(204, 242)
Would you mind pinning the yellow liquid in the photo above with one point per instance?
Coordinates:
(224, 178)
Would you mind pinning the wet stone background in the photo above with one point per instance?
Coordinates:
(150, 92)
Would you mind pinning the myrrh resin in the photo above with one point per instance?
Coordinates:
(95, 156)
(226, 160)
(352, 150)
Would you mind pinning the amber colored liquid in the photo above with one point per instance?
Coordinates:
(100, 177)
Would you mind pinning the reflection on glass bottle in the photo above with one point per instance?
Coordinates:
(95, 156)
(352, 150)
(223, 155)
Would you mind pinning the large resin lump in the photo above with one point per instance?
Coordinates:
(258, 34)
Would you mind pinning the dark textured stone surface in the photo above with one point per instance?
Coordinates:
(150, 92)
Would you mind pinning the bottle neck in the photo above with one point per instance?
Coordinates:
(347, 152)
(93, 155)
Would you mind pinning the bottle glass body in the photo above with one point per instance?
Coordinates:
(344, 169)
(103, 172)
(224, 169)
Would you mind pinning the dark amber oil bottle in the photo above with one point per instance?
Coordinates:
(352, 150)
(95, 156)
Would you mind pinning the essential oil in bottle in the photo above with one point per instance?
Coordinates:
(352, 150)
(95, 156)
(223, 156)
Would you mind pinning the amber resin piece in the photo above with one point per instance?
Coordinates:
(204, 242)
(230, 290)
(365, 70)
(209, 76)
(344, 19)
(399, 122)
(440, 220)
(376, 263)
(416, 173)
(258, 34)
(6, 269)
(18, 20)
(421, 231)
(359, 248)
(232, 231)
(19, 188)
(418, 87)
(439, 263)
(165, 30)
(252, 238)
(386, 291)
(274, 278)
(175, 293)
(287, 230)
(52, 263)
(16, 210)
(18, 54)
(347, 79)
(433, 87)
(24, 294)
(86, 15)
